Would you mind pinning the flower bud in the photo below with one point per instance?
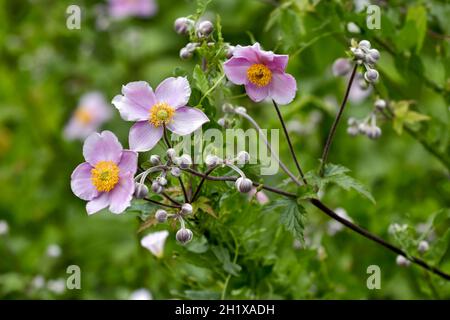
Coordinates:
(353, 131)
(191, 46)
(341, 67)
(176, 172)
(374, 55)
(244, 185)
(222, 122)
(205, 28)
(243, 157)
(156, 187)
(373, 132)
(155, 159)
(352, 121)
(229, 51)
(364, 44)
(182, 25)
(184, 161)
(183, 236)
(185, 54)
(227, 107)
(423, 246)
(240, 109)
(161, 215)
(402, 261)
(363, 128)
(171, 153)
(186, 209)
(162, 180)
(212, 160)
(140, 190)
(358, 54)
(380, 104)
(371, 75)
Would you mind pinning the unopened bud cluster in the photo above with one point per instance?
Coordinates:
(367, 126)
(364, 55)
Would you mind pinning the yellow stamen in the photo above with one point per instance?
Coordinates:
(105, 176)
(83, 116)
(259, 75)
(161, 113)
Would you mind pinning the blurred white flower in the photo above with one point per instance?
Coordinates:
(353, 28)
(57, 286)
(4, 227)
(53, 251)
(334, 226)
(141, 294)
(38, 282)
(155, 241)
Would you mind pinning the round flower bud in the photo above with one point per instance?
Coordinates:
(373, 132)
(423, 246)
(205, 28)
(240, 110)
(212, 160)
(191, 46)
(162, 180)
(380, 104)
(374, 55)
(161, 215)
(352, 121)
(364, 44)
(352, 131)
(184, 161)
(186, 209)
(358, 54)
(341, 67)
(243, 157)
(222, 122)
(402, 261)
(229, 51)
(140, 190)
(156, 187)
(371, 75)
(227, 107)
(183, 236)
(176, 172)
(363, 128)
(185, 54)
(182, 25)
(171, 153)
(155, 159)
(244, 185)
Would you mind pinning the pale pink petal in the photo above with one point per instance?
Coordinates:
(256, 93)
(278, 63)
(120, 197)
(144, 136)
(136, 101)
(128, 162)
(282, 88)
(236, 70)
(174, 91)
(186, 120)
(97, 204)
(251, 53)
(102, 147)
(81, 183)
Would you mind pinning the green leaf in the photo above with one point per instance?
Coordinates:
(223, 256)
(293, 217)
(200, 80)
(405, 116)
(307, 192)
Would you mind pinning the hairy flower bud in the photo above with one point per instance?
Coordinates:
(184, 161)
(205, 28)
(227, 107)
(229, 51)
(162, 180)
(240, 109)
(371, 75)
(402, 261)
(185, 53)
(212, 160)
(186, 209)
(171, 153)
(161, 215)
(182, 25)
(380, 104)
(243, 157)
(176, 172)
(244, 185)
(222, 122)
(374, 55)
(364, 44)
(341, 67)
(140, 190)
(156, 187)
(191, 46)
(352, 121)
(358, 54)
(352, 131)
(183, 236)
(155, 159)
(373, 132)
(423, 246)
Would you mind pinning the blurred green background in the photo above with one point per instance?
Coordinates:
(45, 68)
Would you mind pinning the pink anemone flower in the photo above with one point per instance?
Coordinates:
(107, 176)
(166, 107)
(91, 113)
(120, 9)
(262, 73)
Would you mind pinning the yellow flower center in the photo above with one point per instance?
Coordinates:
(105, 176)
(259, 75)
(161, 113)
(83, 116)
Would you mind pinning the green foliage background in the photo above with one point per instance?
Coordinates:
(45, 68)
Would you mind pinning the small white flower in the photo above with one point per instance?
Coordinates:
(56, 286)
(38, 282)
(141, 294)
(155, 241)
(53, 251)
